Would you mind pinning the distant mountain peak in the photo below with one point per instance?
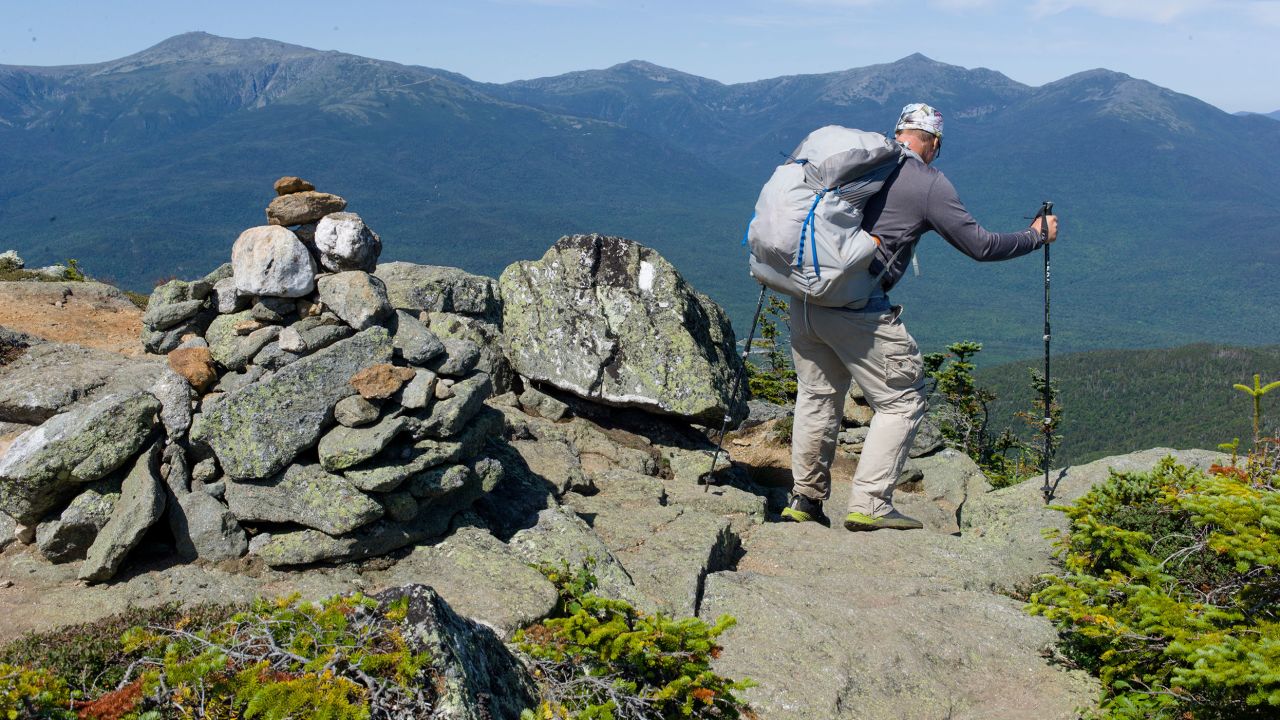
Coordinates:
(212, 49)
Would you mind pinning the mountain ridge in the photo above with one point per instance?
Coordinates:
(91, 166)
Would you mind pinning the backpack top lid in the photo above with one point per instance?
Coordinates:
(835, 155)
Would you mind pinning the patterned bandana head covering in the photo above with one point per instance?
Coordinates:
(918, 116)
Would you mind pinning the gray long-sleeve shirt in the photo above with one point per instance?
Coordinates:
(917, 198)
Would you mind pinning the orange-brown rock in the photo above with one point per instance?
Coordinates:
(196, 365)
(381, 381)
(303, 207)
(290, 184)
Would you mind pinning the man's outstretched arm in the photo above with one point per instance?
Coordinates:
(953, 222)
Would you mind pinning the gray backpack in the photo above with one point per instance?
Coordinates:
(806, 238)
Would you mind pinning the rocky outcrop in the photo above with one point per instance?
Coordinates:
(612, 321)
(51, 377)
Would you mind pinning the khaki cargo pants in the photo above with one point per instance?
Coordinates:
(830, 347)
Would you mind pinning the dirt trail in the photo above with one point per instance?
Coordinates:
(86, 313)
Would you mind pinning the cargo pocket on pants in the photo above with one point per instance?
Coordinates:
(903, 369)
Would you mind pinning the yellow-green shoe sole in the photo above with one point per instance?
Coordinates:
(858, 522)
(796, 515)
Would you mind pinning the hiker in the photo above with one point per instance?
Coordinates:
(870, 345)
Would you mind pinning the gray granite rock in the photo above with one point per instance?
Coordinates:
(68, 537)
(175, 395)
(271, 261)
(258, 430)
(301, 208)
(543, 405)
(344, 242)
(306, 495)
(419, 392)
(43, 466)
(432, 288)
(232, 350)
(612, 321)
(51, 377)
(413, 341)
(140, 505)
(449, 417)
(355, 411)
(344, 447)
(487, 336)
(459, 358)
(202, 527)
(561, 538)
(355, 296)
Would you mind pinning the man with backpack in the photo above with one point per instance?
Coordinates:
(833, 345)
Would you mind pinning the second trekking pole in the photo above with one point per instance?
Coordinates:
(737, 383)
(1047, 423)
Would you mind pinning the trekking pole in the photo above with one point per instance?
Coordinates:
(1047, 424)
(737, 382)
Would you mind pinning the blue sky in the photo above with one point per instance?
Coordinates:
(1222, 51)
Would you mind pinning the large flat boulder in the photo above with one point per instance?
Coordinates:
(50, 377)
(612, 321)
(257, 430)
(306, 495)
(46, 464)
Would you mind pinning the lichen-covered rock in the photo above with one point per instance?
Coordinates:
(407, 460)
(379, 382)
(612, 321)
(448, 417)
(432, 288)
(50, 378)
(480, 678)
(563, 538)
(355, 411)
(270, 260)
(344, 242)
(486, 336)
(68, 537)
(344, 447)
(257, 430)
(140, 505)
(300, 208)
(231, 348)
(174, 302)
(304, 494)
(303, 547)
(202, 527)
(413, 341)
(357, 297)
(459, 358)
(543, 405)
(44, 465)
(227, 298)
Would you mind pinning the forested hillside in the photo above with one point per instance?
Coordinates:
(1118, 401)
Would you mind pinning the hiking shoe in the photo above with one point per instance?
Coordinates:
(802, 509)
(895, 520)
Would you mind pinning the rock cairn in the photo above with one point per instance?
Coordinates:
(303, 403)
(306, 409)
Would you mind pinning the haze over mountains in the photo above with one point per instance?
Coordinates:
(147, 166)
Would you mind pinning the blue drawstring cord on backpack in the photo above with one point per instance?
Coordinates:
(813, 245)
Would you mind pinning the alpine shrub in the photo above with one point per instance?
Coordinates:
(27, 693)
(603, 659)
(1171, 592)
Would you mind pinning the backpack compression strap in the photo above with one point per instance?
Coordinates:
(808, 225)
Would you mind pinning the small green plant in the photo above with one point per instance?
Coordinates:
(1171, 592)
(964, 417)
(601, 659)
(73, 271)
(1256, 392)
(775, 381)
(27, 693)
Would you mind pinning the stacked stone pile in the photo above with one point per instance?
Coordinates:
(304, 404)
(299, 413)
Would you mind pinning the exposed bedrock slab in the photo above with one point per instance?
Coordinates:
(481, 578)
(257, 430)
(140, 505)
(44, 465)
(561, 537)
(612, 321)
(306, 495)
(50, 377)
(440, 289)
